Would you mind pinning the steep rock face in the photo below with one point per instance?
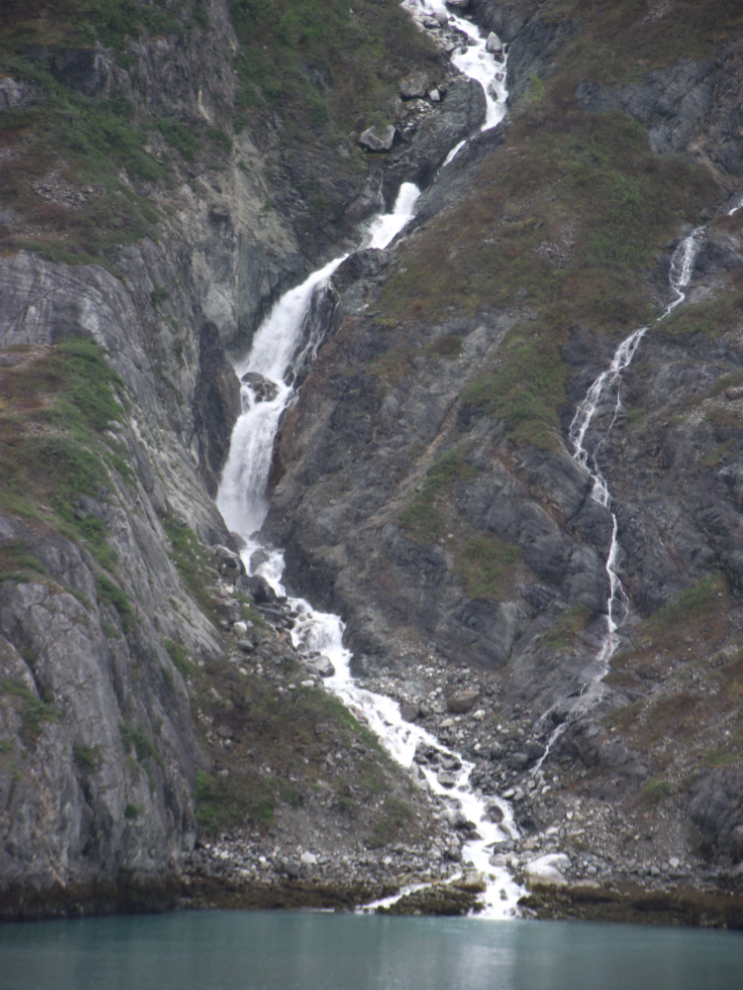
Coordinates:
(216, 406)
(109, 596)
(81, 810)
(411, 497)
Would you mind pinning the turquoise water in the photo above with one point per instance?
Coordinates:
(237, 950)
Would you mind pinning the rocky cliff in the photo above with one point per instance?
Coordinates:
(425, 483)
(168, 170)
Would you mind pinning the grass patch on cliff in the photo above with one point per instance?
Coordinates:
(322, 64)
(54, 406)
(194, 563)
(562, 635)
(527, 388)
(622, 42)
(111, 594)
(62, 180)
(421, 517)
(17, 563)
(36, 710)
(80, 23)
(714, 317)
(699, 604)
(181, 660)
(486, 566)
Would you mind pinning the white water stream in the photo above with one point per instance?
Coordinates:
(604, 399)
(285, 341)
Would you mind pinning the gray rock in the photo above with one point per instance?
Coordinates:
(414, 86)
(465, 701)
(669, 102)
(263, 389)
(378, 138)
(229, 563)
(322, 666)
(409, 712)
(493, 43)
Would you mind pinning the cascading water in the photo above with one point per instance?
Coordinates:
(288, 340)
(604, 399)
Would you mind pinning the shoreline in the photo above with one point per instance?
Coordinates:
(621, 903)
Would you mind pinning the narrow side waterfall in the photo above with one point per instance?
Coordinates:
(286, 342)
(603, 402)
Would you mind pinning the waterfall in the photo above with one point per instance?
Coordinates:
(285, 342)
(586, 445)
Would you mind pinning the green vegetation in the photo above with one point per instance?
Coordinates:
(485, 564)
(158, 295)
(714, 317)
(727, 753)
(131, 811)
(444, 347)
(561, 225)
(690, 606)
(563, 633)
(222, 801)
(422, 517)
(321, 64)
(656, 790)
(396, 814)
(85, 757)
(113, 595)
(617, 45)
(35, 710)
(181, 137)
(527, 388)
(135, 738)
(18, 564)
(535, 92)
(53, 410)
(181, 660)
(194, 564)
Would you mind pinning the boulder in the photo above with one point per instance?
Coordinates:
(320, 666)
(465, 701)
(545, 873)
(459, 4)
(493, 43)
(228, 563)
(446, 779)
(493, 814)
(378, 138)
(409, 712)
(414, 86)
(263, 389)
(258, 588)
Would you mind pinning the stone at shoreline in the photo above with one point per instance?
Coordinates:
(378, 138)
(465, 701)
(545, 872)
(414, 86)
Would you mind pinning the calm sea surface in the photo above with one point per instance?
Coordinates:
(224, 950)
